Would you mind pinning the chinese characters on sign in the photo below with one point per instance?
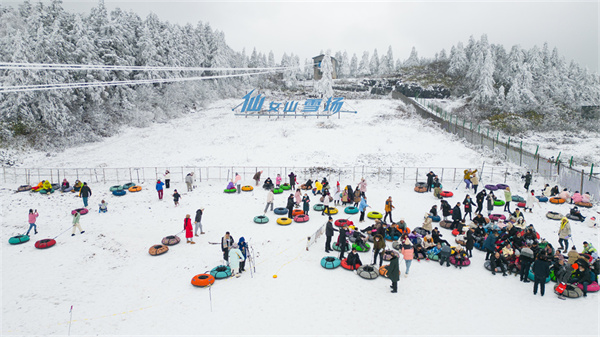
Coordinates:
(311, 105)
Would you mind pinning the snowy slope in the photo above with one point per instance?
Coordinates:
(116, 287)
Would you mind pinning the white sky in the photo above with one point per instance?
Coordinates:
(307, 27)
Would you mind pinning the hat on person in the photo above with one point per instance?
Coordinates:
(585, 242)
(330, 218)
(235, 245)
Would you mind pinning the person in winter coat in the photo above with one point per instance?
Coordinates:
(353, 259)
(305, 203)
(235, 257)
(531, 201)
(226, 242)
(435, 234)
(576, 197)
(581, 276)
(586, 197)
(337, 195)
(541, 271)
(308, 185)
(362, 208)
(475, 182)
(445, 206)
(189, 181)
(554, 191)
(470, 242)
(430, 176)
(457, 213)
(292, 177)
(270, 198)
(437, 188)
(564, 233)
(76, 224)
(159, 189)
(562, 272)
(378, 249)
(230, 185)
(325, 199)
(507, 199)
(572, 256)
(278, 180)
(444, 255)
(243, 247)
(576, 213)
(103, 207)
(32, 218)
(297, 198)
(428, 223)
(167, 176)
(527, 178)
(498, 261)
(547, 191)
(565, 195)
(256, 177)
(490, 244)
(236, 181)
(328, 234)
(526, 258)
(388, 209)
(290, 205)
(467, 204)
(65, 187)
(408, 253)
(480, 198)
(433, 211)
(189, 230)
(490, 203)
(342, 241)
(85, 192)
(357, 197)
(589, 249)
(363, 187)
(176, 197)
(393, 272)
(198, 221)
(467, 177)
(47, 185)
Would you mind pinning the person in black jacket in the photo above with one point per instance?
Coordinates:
(436, 236)
(353, 259)
(342, 241)
(290, 205)
(328, 234)
(498, 260)
(541, 271)
(527, 178)
(467, 203)
(430, 176)
(292, 180)
(198, 221)
(581, 276)
(480, 198)
(85, 193)
(445, 209)
(226, 242)
(470, 242)
(393, 272)
(433, 211)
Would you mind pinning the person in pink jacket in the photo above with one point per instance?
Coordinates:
(32, 217)
(408, 253)
(278, 180)
(565, 195)
(577, 197)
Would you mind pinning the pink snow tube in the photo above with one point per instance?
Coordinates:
(81, 211)
(464, 263)
(496, 217)
(591, 288)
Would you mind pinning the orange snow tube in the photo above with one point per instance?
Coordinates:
(135, 188)
(557, 200)
(203, 280)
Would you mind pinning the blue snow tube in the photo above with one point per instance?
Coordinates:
(435, 218)
(389, 238)
(280, 211)
(330, 262)
(542, 199)
(119, 193)
(350, 210)
(531, 276)
(220, 272)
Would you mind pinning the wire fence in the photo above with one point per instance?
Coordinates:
(553, 170)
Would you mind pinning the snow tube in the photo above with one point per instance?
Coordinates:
(350, 210)
(278, 190)
(455, 232)
(496, 217)
(170, 240)
(135, 188)
(337, 248)
(542, 198)
(119, 193)
(446, 224)
(557, 200)
(286, 187)
(343, 222)
(50, 191)
(45, 243)
(575, 218)
(374, 215)
(501, 186)
(368, 272)
(128, 186)
(491, 187)
(420, 184)
(390, 238)
(499, 202)
(554, 215)
(82, 211)
(158, 250)
(221, 271)
(446, 194)
(280, 211)
(521, 204)
(330, 262)
(517, 198)
(247, 188)
(331, 210)
(24, 188)
(115, 188)
(261, 219)
(488, 265)
(570, 291)
(591, 288)
(421, 231)
(466, 262)
(361, 249)
(436, 218)
(230, 190)
(431, 256)
(536, 234)
(387, 254)
(203, 280)
(301, 218)
(345, 265)
(421, 189)
(396, 245)
(318, 207)
(297, 212)
(15, 240)
(55, 186)
(584, 204)
(531, 277)
(284, 221)
(383, 271)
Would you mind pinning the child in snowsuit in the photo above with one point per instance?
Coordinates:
(176, 197)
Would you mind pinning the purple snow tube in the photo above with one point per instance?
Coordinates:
(502, 186)
(491, 187)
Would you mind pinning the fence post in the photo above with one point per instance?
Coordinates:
(521, 154)
(454, 176)
(417, 175)
(404, 173)
(505, 174)
(442, 178)
(582, 173)
(130, 177)
(4, 173)
(390, 174)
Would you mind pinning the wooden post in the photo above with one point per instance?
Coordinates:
(442, 177)
(404, 173)
(582, 173)
(454, 176)
(390, 174)
(130, 176)
(521, 154)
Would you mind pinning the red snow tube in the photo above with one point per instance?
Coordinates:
(45, 243)
(343, 222)
(345, 265)
(81, 211)
(297, 212)
(446, 194)
(301, 218)
(464, 262)
(455, 232)
(536, 234)
(521, 204)
(496, 217)
(203, 280)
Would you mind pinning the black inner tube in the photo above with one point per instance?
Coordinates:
(330, 259)
(221, 268)
(157, 247)
(202, 277)
(368, 269)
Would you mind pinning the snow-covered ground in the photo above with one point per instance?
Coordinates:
(116, 287)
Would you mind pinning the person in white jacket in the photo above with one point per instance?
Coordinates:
(270, 198)
(235, 257)
(531, 200)
(167, 176)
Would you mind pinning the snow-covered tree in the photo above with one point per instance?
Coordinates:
(325, 85)
(413, 59)
(363, 67)
(354, 66)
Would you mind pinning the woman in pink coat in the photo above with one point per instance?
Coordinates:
(408, 253)
(189, 231)
(577, 197)
(298, 197)
(278, 180)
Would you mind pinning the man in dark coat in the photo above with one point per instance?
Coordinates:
(328, 234)
(527, 177)
(470, 242)
(430, 176)
(490, 244)
(496, 261)
(342, 241)
(480, 198)
(292, 180)
(85, 193)
(353, 259)
(541, 271)
(457, 213)
(393, 272)
(226, 242)
(445, 255)
(290, 205)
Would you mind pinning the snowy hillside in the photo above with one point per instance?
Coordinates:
(117, 288)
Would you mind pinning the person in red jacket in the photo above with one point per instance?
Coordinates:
(189, 232)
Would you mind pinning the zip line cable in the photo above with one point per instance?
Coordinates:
(58, 66)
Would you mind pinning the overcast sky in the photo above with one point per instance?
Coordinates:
(307, 27)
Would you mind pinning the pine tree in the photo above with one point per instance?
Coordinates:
(374, 63)
(363, 68)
